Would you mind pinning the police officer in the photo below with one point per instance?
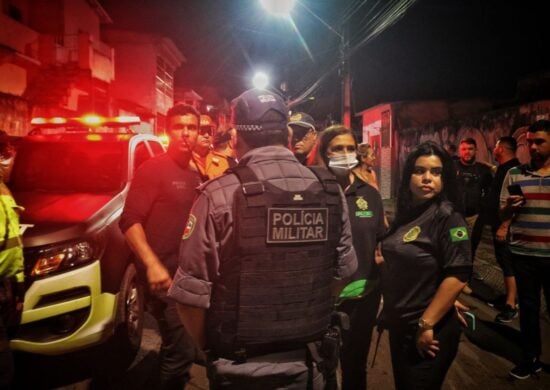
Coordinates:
(11, 268)
(360, 299)
(261, 247)
(304, 137)
(427, 261)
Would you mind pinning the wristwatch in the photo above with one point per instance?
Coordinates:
(424, 325)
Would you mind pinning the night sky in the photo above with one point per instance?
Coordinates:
(439, 49)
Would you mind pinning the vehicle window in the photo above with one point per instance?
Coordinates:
(60, 167)
(141, 155)
(156, 148)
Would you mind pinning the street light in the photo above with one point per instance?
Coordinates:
(260, 80)
(283, 8)
(278, 7)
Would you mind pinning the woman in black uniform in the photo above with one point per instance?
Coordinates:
(426, 263)
(360, 299)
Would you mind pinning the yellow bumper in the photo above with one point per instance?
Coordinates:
(97, 327)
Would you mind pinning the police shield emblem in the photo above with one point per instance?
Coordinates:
(361, 203)
(189, 227)
(362, 208)
(412, 234)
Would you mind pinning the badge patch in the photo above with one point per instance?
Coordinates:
(363, 206)
(412, 234)
(459, 234)
(296, 225)
(361, 203)
(189, 227)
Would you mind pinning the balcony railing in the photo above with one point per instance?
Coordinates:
(80, 49)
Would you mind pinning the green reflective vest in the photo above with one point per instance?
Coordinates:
(11, 245)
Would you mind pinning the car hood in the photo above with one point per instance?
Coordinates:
(51, 218)
(59, 208)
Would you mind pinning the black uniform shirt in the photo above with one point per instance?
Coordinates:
(366, 215)
(474, 182)
(160, 197)
(432, 245)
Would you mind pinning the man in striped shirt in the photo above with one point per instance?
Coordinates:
(529, 209)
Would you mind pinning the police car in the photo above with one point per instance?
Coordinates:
(72, 177)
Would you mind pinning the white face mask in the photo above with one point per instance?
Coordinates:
(343, 161)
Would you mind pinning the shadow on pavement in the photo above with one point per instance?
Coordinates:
(483, 292)
(48, 372)
(139, 376)
(499, 339)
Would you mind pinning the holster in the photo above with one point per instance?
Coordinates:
(325, 353)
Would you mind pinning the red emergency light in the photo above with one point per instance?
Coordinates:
(92, 120)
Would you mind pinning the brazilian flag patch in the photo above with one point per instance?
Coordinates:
(459, 234)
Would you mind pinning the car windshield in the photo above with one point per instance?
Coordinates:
(75, 166)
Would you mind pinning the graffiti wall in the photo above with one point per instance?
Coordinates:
(486, 129)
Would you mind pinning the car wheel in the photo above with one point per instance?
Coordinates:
(130, 312)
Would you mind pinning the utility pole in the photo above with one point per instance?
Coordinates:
(345, 77)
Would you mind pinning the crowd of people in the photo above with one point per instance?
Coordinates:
(253, 282)
(266, 251)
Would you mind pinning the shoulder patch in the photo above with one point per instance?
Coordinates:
(189, 227)
(361, 203)
(412, 234)
(362, 208)
(459, 234)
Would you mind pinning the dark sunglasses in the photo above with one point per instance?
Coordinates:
(206, 130)
(299, 134)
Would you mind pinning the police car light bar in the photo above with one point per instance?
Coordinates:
(87, 120)
(92, 120)
(127, 119)
(58, 120)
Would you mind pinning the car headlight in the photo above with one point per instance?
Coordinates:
(67, 256)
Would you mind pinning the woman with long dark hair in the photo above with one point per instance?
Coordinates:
(426, 263)
(360, 299)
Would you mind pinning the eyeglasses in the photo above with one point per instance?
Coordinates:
(299, 134)
(206, 130)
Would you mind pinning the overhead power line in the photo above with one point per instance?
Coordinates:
(389, 14)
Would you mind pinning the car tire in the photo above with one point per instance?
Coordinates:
(130, 313)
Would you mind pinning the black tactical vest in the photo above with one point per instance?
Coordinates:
(273, 293)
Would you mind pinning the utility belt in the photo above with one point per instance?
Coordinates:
(324, 350)
(243, 354)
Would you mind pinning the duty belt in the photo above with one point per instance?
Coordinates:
(240, 355)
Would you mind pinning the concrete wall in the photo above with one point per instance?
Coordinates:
(79, 17)
(135, 79)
